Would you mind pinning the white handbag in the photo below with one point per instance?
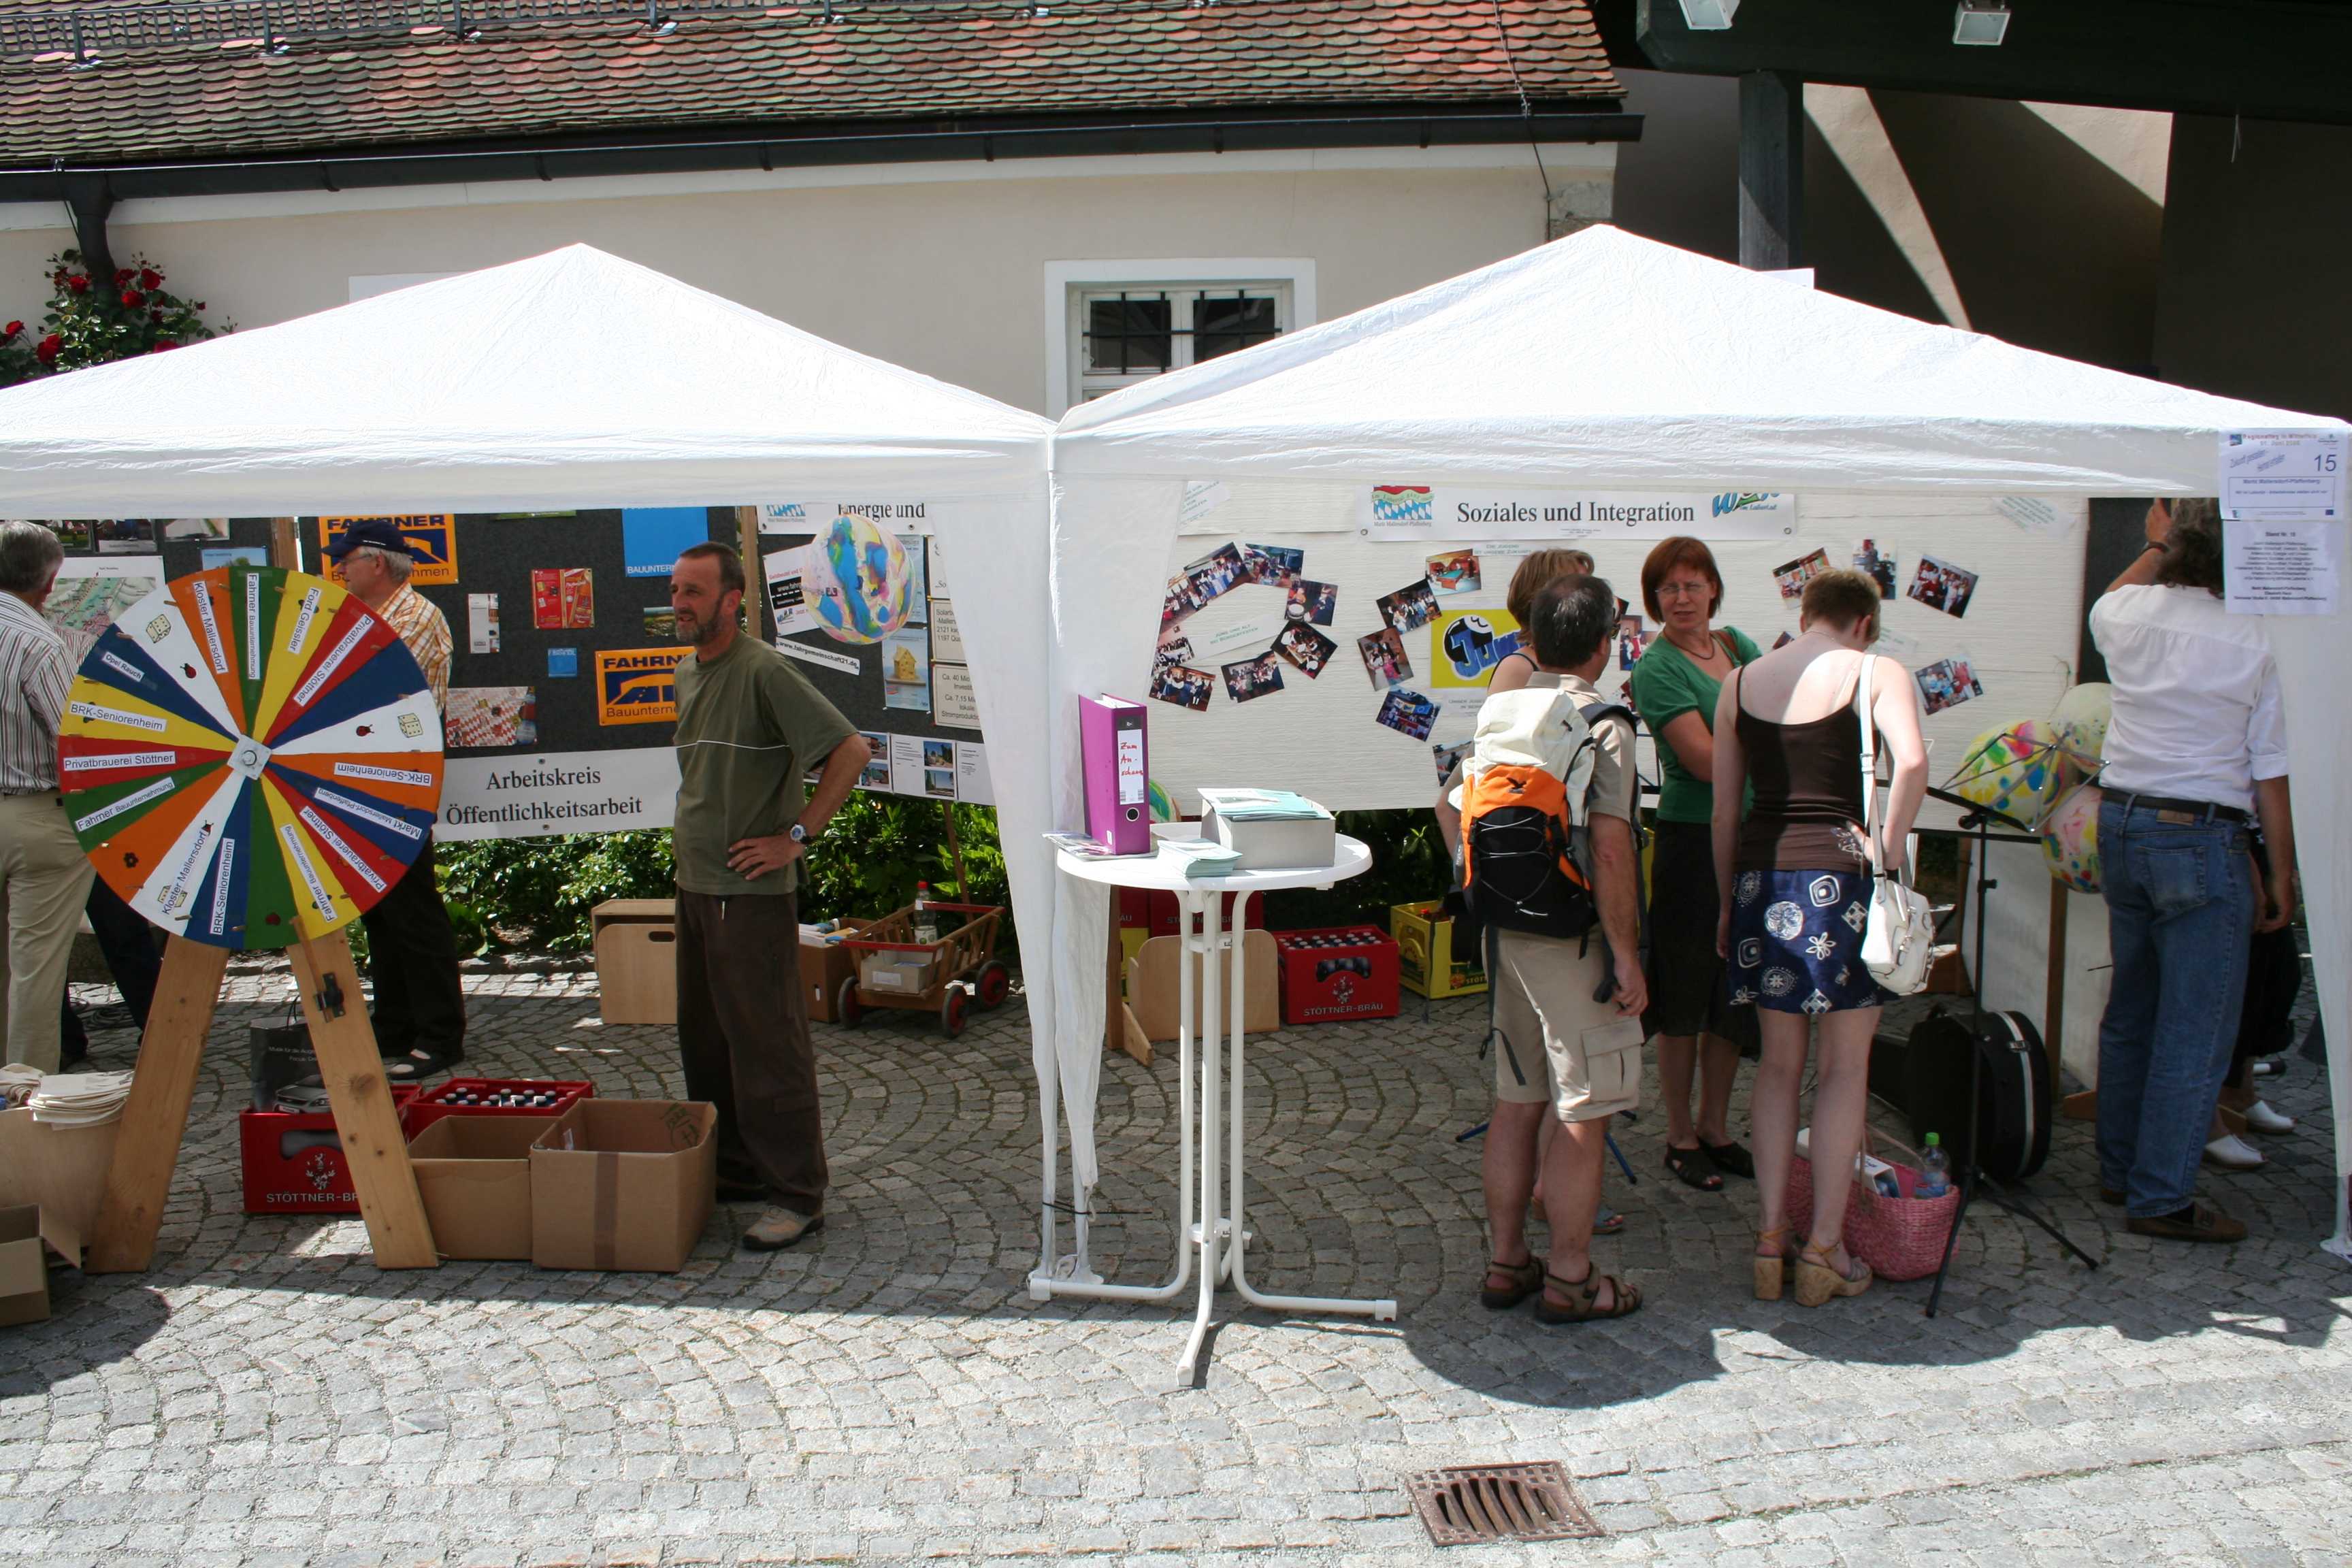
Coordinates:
(1897, 943)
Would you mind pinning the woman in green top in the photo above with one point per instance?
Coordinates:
(1675, 687)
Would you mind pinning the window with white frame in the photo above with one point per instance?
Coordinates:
(1122, 334)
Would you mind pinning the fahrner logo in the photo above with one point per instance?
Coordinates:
(1403, 503)
(1742, 500)
(639, 685)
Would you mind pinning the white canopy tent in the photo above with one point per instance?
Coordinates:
(1613, 363)
(575, 380)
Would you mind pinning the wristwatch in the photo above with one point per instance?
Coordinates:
(798, 833)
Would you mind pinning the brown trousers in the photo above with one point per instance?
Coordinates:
(742, 1030)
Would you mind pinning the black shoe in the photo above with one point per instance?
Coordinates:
(418, 1065)
(1731, 1159)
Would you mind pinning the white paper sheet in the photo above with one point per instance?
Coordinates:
(972, 785)
(2281, 568)
(2281, 475)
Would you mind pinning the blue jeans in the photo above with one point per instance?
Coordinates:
(2181, 919)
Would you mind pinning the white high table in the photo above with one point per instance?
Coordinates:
(1220, 1237)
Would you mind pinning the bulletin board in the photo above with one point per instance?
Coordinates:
(2011, 568)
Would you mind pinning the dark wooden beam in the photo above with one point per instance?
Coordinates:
(1771, 171)
(91, 201)
(2266, 59)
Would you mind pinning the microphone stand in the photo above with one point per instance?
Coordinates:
(1979, 819)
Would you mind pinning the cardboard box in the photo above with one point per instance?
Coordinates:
(473, 1172)
(636, 959)
(436, 1102)
(897, 973)
(1154, 912)
(61, 1171)
(1427, 963)
(623, 1184)
(824, 966)
(1151, 989)
(24, 1270)
(1331, 975)
(294, 1160)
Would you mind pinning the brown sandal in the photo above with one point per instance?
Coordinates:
(1582, 1293)
(1527, 1278)
(1771, 1268)
(1817, 1281)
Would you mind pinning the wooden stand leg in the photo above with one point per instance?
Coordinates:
(155, 1117)
(375, 1150)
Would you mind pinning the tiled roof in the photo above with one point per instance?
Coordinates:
(907, 59)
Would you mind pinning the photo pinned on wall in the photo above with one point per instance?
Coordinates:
(195, 528)
(1449, 755)
(1385, 659)
(127, 535)
(1940, 585)
(1273, 566)
(562, 598)
(1456, 573)
(73, 534)
(491, 716)
(907, 669)
(1183, 686)
(1876, 564)
(1174, 647)
(1251, 679)
(1304, 646)
(213, 556)
(877, 774)
(481, 623)
(1631, 640)
(1216, 573)
(938, 770)
(1411, 607)
(1793, 576)
(1948, 683)
(1314, 602)
(1408, 713)
(660, 625)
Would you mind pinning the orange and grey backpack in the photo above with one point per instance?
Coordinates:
(1526, 860)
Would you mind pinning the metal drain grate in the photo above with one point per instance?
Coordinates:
(1472, 1503)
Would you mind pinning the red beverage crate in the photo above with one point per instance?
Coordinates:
(1344, 972)
(434, 1102)
(294, 1161)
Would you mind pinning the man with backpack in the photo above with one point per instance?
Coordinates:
(1546, 825)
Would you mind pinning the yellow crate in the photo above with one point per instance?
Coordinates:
(1130, 942)
(1426, 962)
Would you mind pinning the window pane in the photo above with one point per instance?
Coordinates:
(1222, 325)
(1128, 334)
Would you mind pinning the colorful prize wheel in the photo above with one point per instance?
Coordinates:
(250, 757)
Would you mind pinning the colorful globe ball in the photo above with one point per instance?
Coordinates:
(859, 580)
(2014, 770)
(2081, 722)
(2070, 838)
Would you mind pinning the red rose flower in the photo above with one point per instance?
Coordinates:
(12, 329)
(132, 299)
(150, 279)
(46, 350)
(76, 283)
(121, 275)
(163, 343)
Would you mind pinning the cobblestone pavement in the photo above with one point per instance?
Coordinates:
(888, 1393)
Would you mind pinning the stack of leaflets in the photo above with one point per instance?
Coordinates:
(1201, 856)
(79, 1099)
(1080, 845)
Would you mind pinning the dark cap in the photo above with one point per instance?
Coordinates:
(378, 531)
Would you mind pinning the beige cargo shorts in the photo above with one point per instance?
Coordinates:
(1553, 1041)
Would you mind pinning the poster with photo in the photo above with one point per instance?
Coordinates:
(91, 593)
(1792, 576)
(127, 535)
(199, 528)
(1411, 607)
(953, 706)
(788, 600)
(907, 669)
(877, 774)
(1876, 564)
(1940, 585)
(212, 557)
(1313, 603)
(562, 598)
(1408, 713)
(1183, 686)
(1948, 683)
(491, 716)
(1204, 580)
(1456, 573)
(1174, 647)
(1306, 648)
(1248, 679)
(481, 623)
(1464, 646)
(1631, 641)
(1449, 755)
(1385, 659)
(939, 770)
(1274, 565)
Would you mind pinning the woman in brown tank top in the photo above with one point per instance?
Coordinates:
(1796, 899)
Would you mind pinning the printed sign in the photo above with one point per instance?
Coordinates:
(1464, 645)
(2281, 475)
(565, 792)
(637, 686)
(1414, 514)
(433, 536)
(652, 537)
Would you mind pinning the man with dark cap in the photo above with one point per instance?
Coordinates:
(420, 1009)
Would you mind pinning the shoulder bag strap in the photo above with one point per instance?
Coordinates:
(1861, 706)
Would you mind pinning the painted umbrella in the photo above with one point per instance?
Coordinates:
(250, 757)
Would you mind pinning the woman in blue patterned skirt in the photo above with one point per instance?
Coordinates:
(1796, 899)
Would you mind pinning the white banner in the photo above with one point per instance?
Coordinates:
(561, 792)
(1449, 514)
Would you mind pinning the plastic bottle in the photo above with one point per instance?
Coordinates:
(1935, 1171)
(927, 924)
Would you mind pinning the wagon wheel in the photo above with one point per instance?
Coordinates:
(955, 1011)
(848, 1011)
(995, 982)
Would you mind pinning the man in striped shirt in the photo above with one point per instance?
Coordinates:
(43, 877)
(420, 1007)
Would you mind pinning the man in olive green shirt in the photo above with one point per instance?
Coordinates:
(750, 726)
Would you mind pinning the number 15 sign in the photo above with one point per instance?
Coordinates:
(2282, 476)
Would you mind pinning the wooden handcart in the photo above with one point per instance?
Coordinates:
(964, 968)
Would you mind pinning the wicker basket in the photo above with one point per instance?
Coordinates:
(1900, 1238)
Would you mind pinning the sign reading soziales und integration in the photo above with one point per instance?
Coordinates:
(2281, 475)
(1413, 514)
(637, 686)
